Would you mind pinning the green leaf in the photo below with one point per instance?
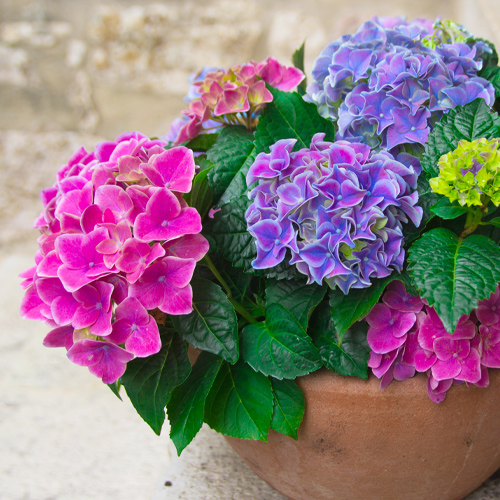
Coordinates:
(229, 231)
(290, 117)
(469, 122)
(202, 142)
(203, 163)
(279, 346)
(149, 381)
(347, 309)
(298, 298)
(115, 389)
(427, 198)
(493, 76)
(494, 222)
(289, 406)
(232, 155)
(238, 282)
(447, 210)
(212, 326)
(200, 196)
(187, 405)
(240, 403)
(347, 356)
(454, 274)
(298, 62)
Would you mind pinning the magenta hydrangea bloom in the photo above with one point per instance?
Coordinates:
(219, 97)
(165, 285)
(117, 240)
(135, 328)
(165, 219)
(388, 328)
(104, 359)
(427, 347)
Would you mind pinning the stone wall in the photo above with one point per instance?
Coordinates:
(107, 66)
(77, 71)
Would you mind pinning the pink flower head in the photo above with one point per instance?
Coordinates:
(488, 310)
(61, 336)
(388, 328)
(119, 234)
(437, 389)
(95, 309)
(432, 328)
(63, 304)
(489, 347)
(164, 218)
(190, 246)
(398, 298)
(239, 91)
(173, 169)
(82, 263)
(105, 360)
(165, 284)
(456, 360)
(136, 328)
(135, 256)
(279, 76)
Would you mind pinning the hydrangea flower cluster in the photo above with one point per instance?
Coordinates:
(338, 208)
(385, 87)
(118, 242)
(470, 174)
(406, 336)
(235, 96)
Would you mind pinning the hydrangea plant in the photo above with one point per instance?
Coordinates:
(349, 225)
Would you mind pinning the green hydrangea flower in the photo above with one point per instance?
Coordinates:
(445, 32)
(470, 174)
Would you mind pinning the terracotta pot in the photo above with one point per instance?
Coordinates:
(358, 442)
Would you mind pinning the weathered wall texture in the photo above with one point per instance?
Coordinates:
(101, 67)
(107, 66)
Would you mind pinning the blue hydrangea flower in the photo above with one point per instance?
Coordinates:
(385, 86)
(337, 208)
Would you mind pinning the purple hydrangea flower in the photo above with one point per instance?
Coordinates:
(385, 87)
(337, 208)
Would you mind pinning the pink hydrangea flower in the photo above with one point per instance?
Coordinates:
(104, 359)
(489, 346)
(488, 310)
(136, 329)
(388, 328)
(239, 92)
(447, 359)
(118, 240)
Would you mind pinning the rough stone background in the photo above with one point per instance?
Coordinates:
(73, 72)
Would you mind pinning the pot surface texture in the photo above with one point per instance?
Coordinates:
(357, 442)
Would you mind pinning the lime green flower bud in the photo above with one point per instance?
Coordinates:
(445, 32)
(470, 174)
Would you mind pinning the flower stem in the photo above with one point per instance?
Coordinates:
(473, 220)
(237, 306)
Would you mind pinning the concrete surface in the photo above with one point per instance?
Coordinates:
(73, 72)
